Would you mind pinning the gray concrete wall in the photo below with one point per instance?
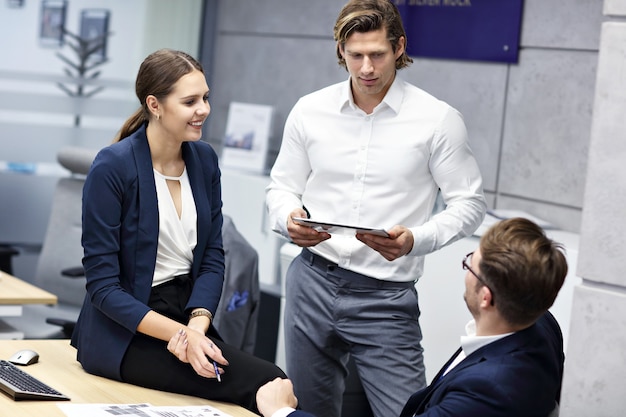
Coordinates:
(595, 367)
(529, 122)
(548, 133)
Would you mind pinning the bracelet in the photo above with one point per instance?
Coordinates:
(202, 312)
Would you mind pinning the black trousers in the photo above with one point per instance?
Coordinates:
(149, 364)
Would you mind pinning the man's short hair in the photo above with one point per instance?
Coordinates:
(368, 15)
(523, 267)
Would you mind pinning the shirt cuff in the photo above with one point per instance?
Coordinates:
(283, 412)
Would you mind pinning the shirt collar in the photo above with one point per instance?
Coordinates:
(471, 343)
(394, 96)
(392, 99)
(346, 100)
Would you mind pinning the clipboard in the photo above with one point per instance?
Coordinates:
(330, 227)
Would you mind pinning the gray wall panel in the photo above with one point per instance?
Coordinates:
(615, 7)
(573, 24)
(605, 195)
(272, 71)
(531, 146)
(296, 17)
(547, 126)
(595, 365)
(475, 89)
(560, 217)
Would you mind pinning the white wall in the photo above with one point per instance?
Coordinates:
(37, 118)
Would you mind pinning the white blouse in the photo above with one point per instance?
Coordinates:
(177, 235)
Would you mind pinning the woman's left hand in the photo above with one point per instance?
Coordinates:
(178, 345)
(198, 350)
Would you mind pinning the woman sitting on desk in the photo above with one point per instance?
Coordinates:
(153, 255)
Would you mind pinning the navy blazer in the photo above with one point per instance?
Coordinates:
(120, 235)
(518, 375)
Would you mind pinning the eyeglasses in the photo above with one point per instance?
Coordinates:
(465, 265)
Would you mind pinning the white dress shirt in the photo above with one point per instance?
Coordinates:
(471, 343)
(377, 170)
(283, 412)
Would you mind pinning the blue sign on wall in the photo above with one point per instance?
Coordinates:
(480, 30)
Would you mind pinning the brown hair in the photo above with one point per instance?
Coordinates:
(368, 15)
(157, 75)
(523, 267)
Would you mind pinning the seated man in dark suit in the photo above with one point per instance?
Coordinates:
(511, 362)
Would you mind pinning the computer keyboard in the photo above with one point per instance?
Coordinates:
(20, 385)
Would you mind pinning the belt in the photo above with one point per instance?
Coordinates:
(325, 265)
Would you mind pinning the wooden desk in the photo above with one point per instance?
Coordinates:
(58, 368)
(14, 293)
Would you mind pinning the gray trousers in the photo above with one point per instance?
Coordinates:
(332, 313)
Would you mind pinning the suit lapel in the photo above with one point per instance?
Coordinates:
(201, 196)
(494, 349)
(416, 401)
(148, 224)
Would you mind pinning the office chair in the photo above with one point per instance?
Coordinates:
(61, 255)
(6, 253)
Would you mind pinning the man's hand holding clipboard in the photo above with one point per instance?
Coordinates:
(391, 244)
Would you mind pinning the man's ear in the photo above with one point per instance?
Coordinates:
(486, 297)
(400, 46)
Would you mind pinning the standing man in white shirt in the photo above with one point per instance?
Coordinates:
(373, 151)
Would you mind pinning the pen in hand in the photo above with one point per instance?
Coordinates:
(217, 372)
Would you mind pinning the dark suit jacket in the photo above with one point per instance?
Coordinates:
(120, 235)
(519, 375)
(238, 311)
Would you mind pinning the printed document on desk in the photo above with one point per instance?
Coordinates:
(139, 410)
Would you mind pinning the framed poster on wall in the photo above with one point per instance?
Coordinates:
(52, 22)
(94, 27)
(248, 129)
